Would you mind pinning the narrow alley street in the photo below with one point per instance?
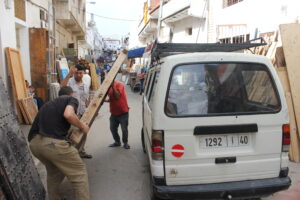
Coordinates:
(117, 173)
(114, 173)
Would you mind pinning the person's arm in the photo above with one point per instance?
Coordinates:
(116, 91)
(72, 118)
(66, 80)
(87, 103)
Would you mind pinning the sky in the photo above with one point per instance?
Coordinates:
(121, 9)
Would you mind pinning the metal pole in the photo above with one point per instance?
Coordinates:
(159, 19)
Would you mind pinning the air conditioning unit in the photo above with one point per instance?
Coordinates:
(44, 24)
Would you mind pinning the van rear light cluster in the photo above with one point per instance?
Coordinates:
(286, 137)
(157, 145)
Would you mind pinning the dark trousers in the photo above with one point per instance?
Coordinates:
(142, 85)
(115, 120)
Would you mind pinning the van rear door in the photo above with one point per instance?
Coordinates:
(224, 124)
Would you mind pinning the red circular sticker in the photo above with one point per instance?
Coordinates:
(177, 150)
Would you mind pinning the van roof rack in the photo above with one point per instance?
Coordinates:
(161, 50)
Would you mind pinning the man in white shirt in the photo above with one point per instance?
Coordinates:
(87, 78)
(81, 93)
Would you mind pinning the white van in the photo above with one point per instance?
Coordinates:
(215, 126)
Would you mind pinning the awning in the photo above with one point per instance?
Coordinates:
(136, 53)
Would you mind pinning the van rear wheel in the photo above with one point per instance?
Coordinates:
(143, 140)
(152, 195)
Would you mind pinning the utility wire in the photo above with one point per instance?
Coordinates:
(104, 17)
(206, 4)
(111, 18)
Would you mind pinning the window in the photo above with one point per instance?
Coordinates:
(148, 81)
(153, 88)
(236, 39)
(189, 31)
(227, 3)
(221, 89)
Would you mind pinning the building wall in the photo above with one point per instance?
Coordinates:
(186, 30)
(266, 18)
(22, 37)
(111, 44)
(7, 35)
(63, 38)
(33, 12)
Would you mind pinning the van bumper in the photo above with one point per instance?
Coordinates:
(237, 190)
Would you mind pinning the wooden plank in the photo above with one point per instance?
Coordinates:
(290, 36)
(25, 117)
(279, 57)
(94, 77)
(91, 112)
(295, 143)
(15, 69)
(272, 51)
(30, 108)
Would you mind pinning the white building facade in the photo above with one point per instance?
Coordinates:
(93, 45)
(247, 19)
(178, 21)
(202, 21)
(111, 44)
(16, 17)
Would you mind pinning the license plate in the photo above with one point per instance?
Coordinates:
(219, 141)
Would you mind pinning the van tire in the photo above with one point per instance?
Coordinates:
(152, 196)
(143, 140)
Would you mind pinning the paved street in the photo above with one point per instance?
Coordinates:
(116, 173)
(119, 174)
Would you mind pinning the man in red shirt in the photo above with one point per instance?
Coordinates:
(119, 114)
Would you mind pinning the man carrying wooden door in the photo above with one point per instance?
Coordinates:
(81, 91)
(48, 143)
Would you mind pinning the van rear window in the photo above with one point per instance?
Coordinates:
(221, 89)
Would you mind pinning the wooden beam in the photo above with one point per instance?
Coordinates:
(25, 117)
(91, 112)
(29, 107)
(95, 79)
(291, 44)
(295, 143)
(15, 69)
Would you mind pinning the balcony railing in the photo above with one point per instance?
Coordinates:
(176, 10)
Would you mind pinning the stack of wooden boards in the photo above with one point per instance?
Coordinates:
(283, 51)
(25, 105)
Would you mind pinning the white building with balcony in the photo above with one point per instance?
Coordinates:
(70, 27)
(182, 21)
(111, 44)
(240, 20)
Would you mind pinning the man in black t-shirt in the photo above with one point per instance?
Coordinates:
(48, 143)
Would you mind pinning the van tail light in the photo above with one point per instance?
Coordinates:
(157, 145)
(286, 137)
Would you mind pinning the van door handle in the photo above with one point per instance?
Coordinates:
(225, 160)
